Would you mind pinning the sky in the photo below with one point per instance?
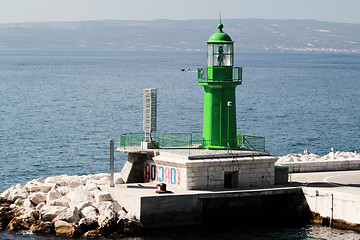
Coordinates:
(14, 11)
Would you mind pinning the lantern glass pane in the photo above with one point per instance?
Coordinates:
(210, 54)
(220, 54)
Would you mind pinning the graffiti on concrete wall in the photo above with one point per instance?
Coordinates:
(159, 173)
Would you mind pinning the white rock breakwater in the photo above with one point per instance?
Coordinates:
(67, 205)
(310, 157)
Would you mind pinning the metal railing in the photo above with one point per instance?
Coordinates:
(236, 75)
(251, 142)
(191, 141)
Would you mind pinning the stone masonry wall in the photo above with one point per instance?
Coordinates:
(208, 174)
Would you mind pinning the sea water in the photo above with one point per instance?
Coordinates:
(60, 108)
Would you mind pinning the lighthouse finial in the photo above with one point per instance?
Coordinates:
(220, 25)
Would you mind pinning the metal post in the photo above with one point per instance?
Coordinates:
(112, 163)
(332, 210)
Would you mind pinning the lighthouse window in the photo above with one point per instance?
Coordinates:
(220, 54)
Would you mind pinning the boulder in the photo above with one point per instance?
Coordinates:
(7, 192)
(69, 181)
(99, 176)
(74, 183)
(34, 214)
(30, 213)
(71, 215)
(37, 198)
(45, 188)
(86, 225)
(80, 205)
(107, 215)
(48, 213)
(130, 225)
(53, 194)
(32, 187)
(18, 211)
(6, 214)
(62, 201)
(91, 187)
(101, 181)
(18, 193)
(107, 222)
(42, 227)
(106, 205)
(15, 224)
(64, 190)
(66, 229)
(89, 212)
(81, 195)
(103, 196)
(55, 179)
(35, 185)
(107, 218)
(91, 234)
(39, 206)
(18, 223)
(122, 213)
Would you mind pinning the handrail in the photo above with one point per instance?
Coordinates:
(229, 150)
(188, 140)
(236, 75)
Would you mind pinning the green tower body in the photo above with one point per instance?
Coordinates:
(219, 79)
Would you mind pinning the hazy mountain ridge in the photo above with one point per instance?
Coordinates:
(248, 34)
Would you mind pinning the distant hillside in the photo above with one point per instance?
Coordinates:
(248, 34)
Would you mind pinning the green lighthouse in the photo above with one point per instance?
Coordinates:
(219, 79)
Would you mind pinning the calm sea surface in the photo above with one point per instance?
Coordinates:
(60, 108)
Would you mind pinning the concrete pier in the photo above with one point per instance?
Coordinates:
(211, 186)
(333, 196)
(191, 207)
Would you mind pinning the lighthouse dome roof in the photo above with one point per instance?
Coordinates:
(220, 36)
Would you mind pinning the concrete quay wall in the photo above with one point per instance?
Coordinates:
(322, 166)
(180, 208)
(170, 210)
(252, 206)
(337, 209)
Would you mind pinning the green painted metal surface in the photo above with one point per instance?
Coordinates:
(219, 36)
(235, 77)
(219, 120)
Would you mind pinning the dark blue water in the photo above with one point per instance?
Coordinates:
(59, 108)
